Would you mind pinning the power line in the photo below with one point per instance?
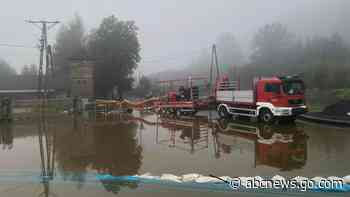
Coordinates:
(17, 46)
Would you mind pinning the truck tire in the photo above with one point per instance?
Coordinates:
(266, 115)
(223, 113)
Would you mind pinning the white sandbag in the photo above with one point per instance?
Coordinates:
(260, 182)
(282, 138)
(171, 177)
(286, 140)
(300, 178)
(258, 178)
(346, 179)
(244, 180)
(335, 178)
(190, 177)
(226, 178)
(278, 177)
(148, 176)
(266, 141)
(207, 179)
(318, 179)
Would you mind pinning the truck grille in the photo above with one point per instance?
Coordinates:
(296, 102)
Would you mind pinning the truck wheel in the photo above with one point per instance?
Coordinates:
(223, 113)
(266, 116)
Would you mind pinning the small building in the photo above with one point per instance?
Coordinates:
(82, 78)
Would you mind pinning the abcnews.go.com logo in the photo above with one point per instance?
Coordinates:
(302, 185)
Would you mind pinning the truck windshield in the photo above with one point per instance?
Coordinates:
(293, 87)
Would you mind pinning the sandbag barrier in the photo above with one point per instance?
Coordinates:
(191, 181)
(224, 183)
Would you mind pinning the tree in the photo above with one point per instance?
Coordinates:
(116, 48)
(6, 70)
(327, 58)
(69, 43)
(323, 62)
(229, 51)
(273, 44)
(276, 51)
(229, 55)
(115, 153)
(28, 78)
(7, 75)
(29, 70)
(144, 87)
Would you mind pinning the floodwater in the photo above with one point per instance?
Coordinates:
(71, 151)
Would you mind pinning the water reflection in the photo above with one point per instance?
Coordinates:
(188, 134)
(109, 147)
(279, 146)
(76, 148)
(6, 136)
(47, 147)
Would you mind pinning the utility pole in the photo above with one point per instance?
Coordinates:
(45, 48)
(214, 62)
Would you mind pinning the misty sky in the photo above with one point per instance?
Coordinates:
(171, 32)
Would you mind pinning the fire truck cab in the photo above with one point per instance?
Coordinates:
(270, 98)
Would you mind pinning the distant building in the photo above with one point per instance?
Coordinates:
(82, 80)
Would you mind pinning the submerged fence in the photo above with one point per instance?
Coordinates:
(5, 109)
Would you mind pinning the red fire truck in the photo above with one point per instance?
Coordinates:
(269, 98)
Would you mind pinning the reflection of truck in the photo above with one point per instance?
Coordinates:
(283, 146)
(193, 132)
(269, 98)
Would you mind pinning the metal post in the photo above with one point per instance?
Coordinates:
(44, 48)
(191, 95)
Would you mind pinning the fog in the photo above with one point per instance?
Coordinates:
(171, 32)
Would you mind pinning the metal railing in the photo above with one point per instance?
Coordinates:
(228, 85)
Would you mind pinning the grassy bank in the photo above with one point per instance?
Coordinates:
(317, 99)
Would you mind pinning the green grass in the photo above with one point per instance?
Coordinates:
(342, 93)
(315, 107)
(317, 99)
(51, 107)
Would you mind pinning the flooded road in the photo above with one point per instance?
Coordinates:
(69, 152)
